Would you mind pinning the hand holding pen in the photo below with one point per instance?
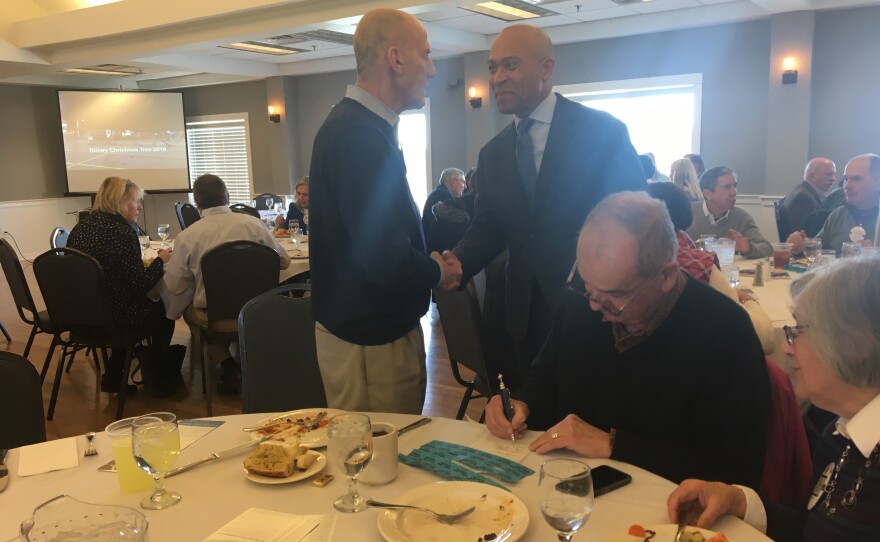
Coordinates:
(505, 403)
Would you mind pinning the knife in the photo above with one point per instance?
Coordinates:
(4, 470)
(413, 425)
(216, 455)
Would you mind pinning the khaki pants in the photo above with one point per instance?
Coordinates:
(217, 352)
(386, 378)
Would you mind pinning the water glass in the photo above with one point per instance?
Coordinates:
(850, 250)
(812, 249)
(725, 249)
(705, 241)
(350, 444)
(270, 204)
(155, 445)
(732, 273)
(826, 256)
(565, 494)
(163, 230)
(144, 242)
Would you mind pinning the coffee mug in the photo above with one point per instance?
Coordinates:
(383, 467)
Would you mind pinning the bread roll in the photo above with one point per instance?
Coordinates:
(274, 460)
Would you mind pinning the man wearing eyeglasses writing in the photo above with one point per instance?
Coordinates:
(645, 364)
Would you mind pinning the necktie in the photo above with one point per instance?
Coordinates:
(525, 159)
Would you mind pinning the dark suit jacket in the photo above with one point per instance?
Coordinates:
(441, 193)
(295, 213)
(588, 156)
(801, 201)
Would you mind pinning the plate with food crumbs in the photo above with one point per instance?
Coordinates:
(499, 516)
(294, 427)
(306, 466)
(664, 533)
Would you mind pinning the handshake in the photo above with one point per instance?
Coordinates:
(450, 270)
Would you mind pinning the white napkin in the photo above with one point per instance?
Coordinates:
(48, 456)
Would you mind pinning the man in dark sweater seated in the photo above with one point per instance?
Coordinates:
(645, 364)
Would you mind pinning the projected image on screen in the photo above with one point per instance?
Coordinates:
(135, 135)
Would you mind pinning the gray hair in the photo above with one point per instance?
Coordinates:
(840, 304)
(450, 173)
(647, 220)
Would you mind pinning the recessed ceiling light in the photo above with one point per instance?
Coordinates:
(95, 71)
(258, 47)
(509, 10)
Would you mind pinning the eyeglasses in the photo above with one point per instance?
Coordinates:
(610, 307)
(792, 332)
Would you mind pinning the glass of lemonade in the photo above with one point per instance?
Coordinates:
(131, 478)
(155, 445)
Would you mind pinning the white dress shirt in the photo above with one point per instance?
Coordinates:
(183, 275)
(540, 129)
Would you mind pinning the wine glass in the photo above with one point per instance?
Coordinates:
(155, 444)
(812, 249)
(163, 230)
(306, 217)
(270, 203)
(565, 493)
(350, 443)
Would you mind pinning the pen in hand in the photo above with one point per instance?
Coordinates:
(505, 402)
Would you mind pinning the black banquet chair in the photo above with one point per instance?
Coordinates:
(244, 209)
(260, 202)
(24, 301)
(783, 228)
(81, 315)
(461, 319)
(234, 273)
(187, 214)
(59, 237)
(21, 403)
(279, 359)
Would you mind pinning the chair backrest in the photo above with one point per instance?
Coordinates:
(783, 228)
(21, 402)
(187, 214)
(279, 360)
(59, 237)
(74, 289)
(244, 209)
(21, 292)
(260, 201)
(234, 273)
(461, 319)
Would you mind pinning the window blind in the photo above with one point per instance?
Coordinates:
(220, 144)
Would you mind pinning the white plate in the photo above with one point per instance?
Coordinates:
(508, 524)
(311, 439)
(298, 254)
(316, 467)
(664, 532)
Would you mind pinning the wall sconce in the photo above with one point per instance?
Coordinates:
(273, 115)
(476, 101)
(789, 75)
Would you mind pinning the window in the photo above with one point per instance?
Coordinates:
(661, 113)
(414, 134)
(220, 144)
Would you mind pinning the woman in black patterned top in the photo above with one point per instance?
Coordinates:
(108, 236)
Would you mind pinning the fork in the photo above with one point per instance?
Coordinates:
(447, 519)
(91, 448)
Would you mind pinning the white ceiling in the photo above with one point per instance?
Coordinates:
(176, 42)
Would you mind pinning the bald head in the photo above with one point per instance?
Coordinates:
(521, 64)
(379, 30)
(821, 173)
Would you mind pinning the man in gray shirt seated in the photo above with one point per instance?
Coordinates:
(718, 215)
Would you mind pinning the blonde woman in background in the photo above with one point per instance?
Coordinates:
(684, 175)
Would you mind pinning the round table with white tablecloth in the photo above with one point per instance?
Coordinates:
(216, 492)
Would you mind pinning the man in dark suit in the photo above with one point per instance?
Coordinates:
(452, 185)
(371, 276)
(807, 196)
(539, 178)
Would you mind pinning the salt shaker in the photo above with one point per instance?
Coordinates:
(759, 273)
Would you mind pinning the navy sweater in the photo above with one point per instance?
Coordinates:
(371, 276)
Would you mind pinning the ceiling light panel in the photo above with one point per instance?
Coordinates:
(509, 10)
(264, 48)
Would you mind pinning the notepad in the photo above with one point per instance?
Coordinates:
(48, 456)
(260, 525)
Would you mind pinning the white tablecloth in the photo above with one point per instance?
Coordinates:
(775, 298)
(215, 493)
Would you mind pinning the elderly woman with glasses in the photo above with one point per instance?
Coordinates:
(108, 235)
(835, 354)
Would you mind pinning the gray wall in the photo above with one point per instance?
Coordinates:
(31, 149)
(734, 62)
(846, 85)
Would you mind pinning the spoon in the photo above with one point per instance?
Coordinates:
(447, 519)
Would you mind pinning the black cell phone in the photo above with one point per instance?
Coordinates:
(607, 479)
